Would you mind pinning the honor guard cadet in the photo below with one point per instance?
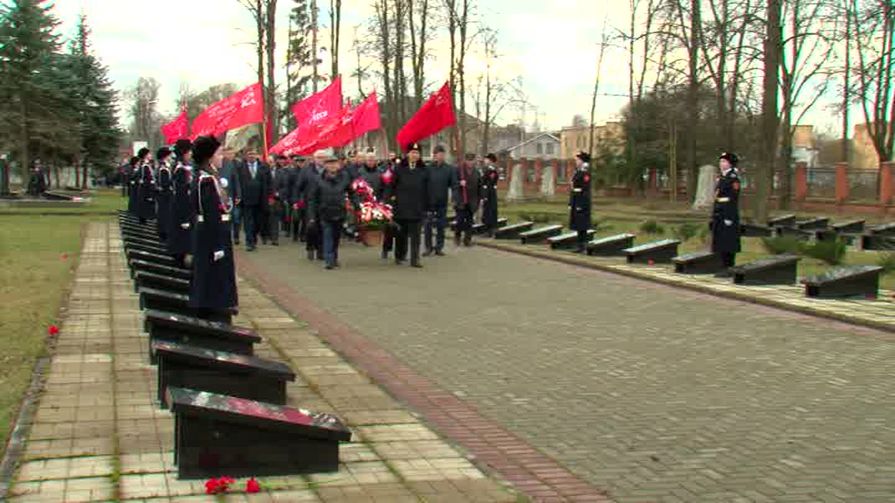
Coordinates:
(146, 189)
(489, 194)
(213, 288)
(181, 225)
(579, 200)
(725, 224)
(165, 192)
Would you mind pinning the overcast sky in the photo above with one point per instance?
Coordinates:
(551, 45)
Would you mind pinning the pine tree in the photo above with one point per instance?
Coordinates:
(28, 96)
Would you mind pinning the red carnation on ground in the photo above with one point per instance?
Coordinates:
(53, 330)
(64, 256)
(218, 486)
(650, 262)
(252, 486)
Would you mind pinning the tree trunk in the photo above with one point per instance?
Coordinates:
(452, 74)
(84, 171)
(693, 97)
(461, 59)
(846, 98)
(593, 101)
(271, 98)
(769, 118)
(335, 17)
(314, 55)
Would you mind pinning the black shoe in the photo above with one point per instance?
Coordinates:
(336, 264)
(311, 255)
(250, 248)
(319, 256)
(456, 240)
(428, 253)
(236, 241)
(416, 264)
(439, 253)
(329, 267)
(467, 242)
(275, 243)
(399, 261)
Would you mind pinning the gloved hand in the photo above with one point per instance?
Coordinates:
(218, 255)
(728, 222)
(185, 225)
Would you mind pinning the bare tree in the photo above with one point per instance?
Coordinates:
(335, 28)
(593, 103)
(873, 23)
(463, 25)
(264, 14)
(382, 45)
(770, 121)
(418, 39)
(315, 26)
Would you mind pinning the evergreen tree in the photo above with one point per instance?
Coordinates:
(29, 98)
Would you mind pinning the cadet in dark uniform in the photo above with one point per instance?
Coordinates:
(579, 200)
(165, 193)
(38, 183)
(213, 288)
(181, 227)
(467, 195)
(725, 224)
(146, 189)
(489, 194)
(130, 179)
(409, 190)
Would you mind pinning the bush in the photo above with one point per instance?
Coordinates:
(685, 232)
(652, 227)
(538, 217)
(887, 262)
(831, 252)
(783, 244)
(704, 232)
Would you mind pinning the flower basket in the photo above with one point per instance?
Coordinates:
(371, 237)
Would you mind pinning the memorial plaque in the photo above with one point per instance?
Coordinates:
(611, 245)
(755, 230)
(164, 270)
(178, 303)
(173, 327)
(848, 281)
(659, 252)
(812, 224)
(782, 221)
(776, 270)
(133, 254)
(567, 240)
(703, 262)
(883, 230)
(850, 227)
(540, 234)
(218, 434)
(512, 231)
(202, 369)
(144, 279)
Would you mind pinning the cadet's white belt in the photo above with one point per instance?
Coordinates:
(576, 190)
(723, 199)
(225, 217)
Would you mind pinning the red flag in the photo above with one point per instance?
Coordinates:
(366, 116)
(337, 131)
(236, 110)
(286, 143)
(176, 129)
(313, 113)
(436, 114)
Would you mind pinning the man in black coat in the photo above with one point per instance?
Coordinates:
(163, 200)
(296, 208)
(442, 180)
(725, 224)
(326, 204)
(371, 172)
(308, 178)
(408, 192)
(466, 197)
(489, 194)
(580, 200)
(279, 193)
(254, 180)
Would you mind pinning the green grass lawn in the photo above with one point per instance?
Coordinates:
(34, 280)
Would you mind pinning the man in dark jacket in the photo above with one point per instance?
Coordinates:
(371, 172)
(229, 178)
(442, 180)
(326, 205)
(308, 178)
(725, 224)
(296, 209)
(466, 197)
(279, 197)
(254, 177)
(410, 199)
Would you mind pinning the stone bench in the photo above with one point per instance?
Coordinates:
(567, 240)
(151, 239)
(755, 230)
(145, 279)
(138, 228)
(173, 327)
(703, 262)
(782, 221)
(137, 265)
(776, 270)
(513, 231)
(178, 303)
(611, 245)
(219, 434)
(848, 281)
(850, 227)
(813, 224)
(657, 251)
(151, 249)
(877, 242)
(480, 228)
(150, 257)
(832, 235)
(540, 234)
(883, 230)
(202, 369)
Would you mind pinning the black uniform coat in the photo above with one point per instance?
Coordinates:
(253, 191)
(408, 191)
(164, 199)
(214, 281)
(133, 179)
(489, 197)
(146, 192)
(726, 214)
(468, 191)
(579, 200)
(181, 227)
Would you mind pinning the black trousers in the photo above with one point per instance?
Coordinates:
(465, 218)
(313, 238)
(409, 232)
(388, 238)
(728, 259)
(582, 240)
(253, 219)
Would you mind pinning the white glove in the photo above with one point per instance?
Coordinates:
(728, 222)
(218, 255)
(185, 225)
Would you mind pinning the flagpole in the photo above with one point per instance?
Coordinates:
(264, 119)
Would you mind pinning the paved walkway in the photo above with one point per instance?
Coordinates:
(98, 434)
(650, 392)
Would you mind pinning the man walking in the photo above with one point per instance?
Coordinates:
(279, 197)
(326, 203)
(466, 196)
(408, 192)
(308, 179)
(442, 178)
(253, 185)
(489, 194)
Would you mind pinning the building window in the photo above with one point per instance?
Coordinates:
(561, 173)
(531, 175)
(549, 149)
(540, 148)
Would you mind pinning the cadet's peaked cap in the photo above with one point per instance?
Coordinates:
(182, 146)
(204, 148)
(162, 153)
(413, 146)
(584, 156)
(729, 157)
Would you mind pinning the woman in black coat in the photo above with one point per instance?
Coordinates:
(165, 193)
(213, 287)
(579, 200)
(146, 189)
(181, 219)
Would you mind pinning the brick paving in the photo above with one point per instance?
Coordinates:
(98, 434)
(651, 392)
